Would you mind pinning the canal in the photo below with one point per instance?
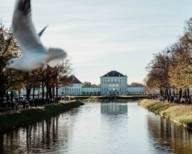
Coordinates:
(100, 128)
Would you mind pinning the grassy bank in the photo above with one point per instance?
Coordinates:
(132, 97)
(181, 114)
(26, 117)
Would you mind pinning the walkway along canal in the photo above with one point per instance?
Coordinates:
(14, 119)
(104, 128)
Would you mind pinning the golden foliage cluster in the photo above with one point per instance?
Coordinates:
(172, 68)
(15, 80)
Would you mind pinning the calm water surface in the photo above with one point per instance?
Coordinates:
(100, 128)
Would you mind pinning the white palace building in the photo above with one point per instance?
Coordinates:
(112, 83)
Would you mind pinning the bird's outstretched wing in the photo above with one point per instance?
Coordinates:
(56, 53)
(23, 28)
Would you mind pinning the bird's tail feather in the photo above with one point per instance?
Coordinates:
(42, 31)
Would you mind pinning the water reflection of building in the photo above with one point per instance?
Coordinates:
(113, 108)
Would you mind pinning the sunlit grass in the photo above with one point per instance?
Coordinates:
(180, 113)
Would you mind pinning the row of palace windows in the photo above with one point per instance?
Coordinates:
(71, 90)
(112, 80)
(113, 85)
(79, 90)
(114, 89)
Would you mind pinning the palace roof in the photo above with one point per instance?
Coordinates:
(113, 74)
(74, 80)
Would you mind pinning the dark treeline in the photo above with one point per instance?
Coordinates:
(11, 81)
(170, 71)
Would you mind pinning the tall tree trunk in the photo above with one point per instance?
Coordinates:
(12, 96)
(47, 91)
(161, 92)
(33, 93)
(38, 92)
(50, 93)
(28, 91)
(188, 93)
(53, 92)
(3, 84)
(19, 94)
(43, 91)
(57, 92)
(180, 93)
(169, 94)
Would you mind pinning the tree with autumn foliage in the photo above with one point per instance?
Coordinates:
(170, 71)
(47, 79)
(8, 50)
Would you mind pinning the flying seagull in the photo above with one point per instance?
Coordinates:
(35, 55)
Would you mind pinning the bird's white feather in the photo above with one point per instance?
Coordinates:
(23, 28)
(56, 53)
(35, 55)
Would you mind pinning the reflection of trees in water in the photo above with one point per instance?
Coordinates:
(42, 135)
(167, 136)
(113, 108)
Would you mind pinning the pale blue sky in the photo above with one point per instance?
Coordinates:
(104, 35)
